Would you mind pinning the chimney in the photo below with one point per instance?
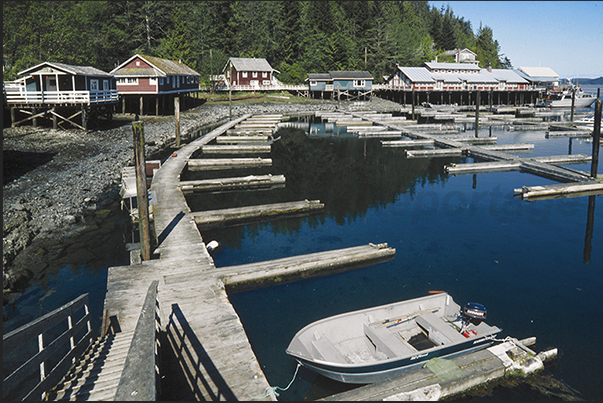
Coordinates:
(490, 68)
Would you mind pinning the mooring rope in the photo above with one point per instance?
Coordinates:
(272, 389)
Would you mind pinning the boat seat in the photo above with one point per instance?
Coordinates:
(325, 350)
(387, 342)
(439, 331)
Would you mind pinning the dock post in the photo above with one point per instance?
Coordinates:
(477, 102)
(594, 166)
(141, 191)
(177, 117)
(413, 103)
(573, 104)
(230, 104)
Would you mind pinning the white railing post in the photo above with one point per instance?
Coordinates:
(42, 365)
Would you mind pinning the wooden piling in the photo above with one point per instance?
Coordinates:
(477, 102)
(596, 137)
(177, 117)
(144, 225)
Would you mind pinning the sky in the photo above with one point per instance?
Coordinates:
(566, 36)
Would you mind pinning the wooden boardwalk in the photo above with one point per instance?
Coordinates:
(205, 354)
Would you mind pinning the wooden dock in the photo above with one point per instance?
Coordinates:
(439, 378)
(209, 164)
(221, 184)
(205, 352)
(449, 147)
(243, 215)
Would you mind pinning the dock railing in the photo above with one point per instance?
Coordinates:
(140, 376)
(61, 336)
(16, 93)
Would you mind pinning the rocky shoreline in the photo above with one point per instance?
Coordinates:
(55, 180)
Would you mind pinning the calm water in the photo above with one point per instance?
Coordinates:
(535, 265)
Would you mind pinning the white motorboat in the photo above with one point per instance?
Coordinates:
(378, 343)
(563, 99)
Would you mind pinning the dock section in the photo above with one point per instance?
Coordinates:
(439, 378)
(205, 352)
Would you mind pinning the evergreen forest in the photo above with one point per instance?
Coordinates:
(296, 37)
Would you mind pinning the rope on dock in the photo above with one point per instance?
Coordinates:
(272, 389)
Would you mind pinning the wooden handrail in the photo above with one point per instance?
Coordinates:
(15, 340)
(139, 378)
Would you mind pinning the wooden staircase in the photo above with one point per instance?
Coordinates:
(96, 374)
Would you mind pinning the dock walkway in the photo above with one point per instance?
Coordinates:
(205, 352)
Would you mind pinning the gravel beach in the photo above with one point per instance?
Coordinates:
(56, 182)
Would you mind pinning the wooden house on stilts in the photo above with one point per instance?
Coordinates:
(151, 84)
(349, 85)
(62, 92)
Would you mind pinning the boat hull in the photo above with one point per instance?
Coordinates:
(387, 370)
(567, 103)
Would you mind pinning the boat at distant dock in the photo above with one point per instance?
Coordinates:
(563, 98)
(377, 343)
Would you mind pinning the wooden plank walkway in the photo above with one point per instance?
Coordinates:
(205, 352)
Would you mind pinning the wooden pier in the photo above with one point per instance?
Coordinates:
(205, 351)
(208, 164)
(243, 215)
(221, 184)
(439, 378)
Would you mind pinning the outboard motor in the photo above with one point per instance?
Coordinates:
(474, 313)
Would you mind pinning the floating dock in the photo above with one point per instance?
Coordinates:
(439, 378)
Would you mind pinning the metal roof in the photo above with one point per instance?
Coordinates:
(417, 74)
(249, 64)
(452, 66)
(447, 78)
(509, 76)
(538, 72)
(483, 77)
(67, 68)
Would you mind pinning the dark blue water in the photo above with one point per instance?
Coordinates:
(536, 265)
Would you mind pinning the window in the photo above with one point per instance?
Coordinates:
(313, 83)
(93, 85)
(359, 83)
(244, 73)
(137, 63)
(254, 74)
(264, 74)
(105, 85)
(128, 81)
(153, 80)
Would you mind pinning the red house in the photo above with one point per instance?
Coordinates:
(144, 79)
(250, 72)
